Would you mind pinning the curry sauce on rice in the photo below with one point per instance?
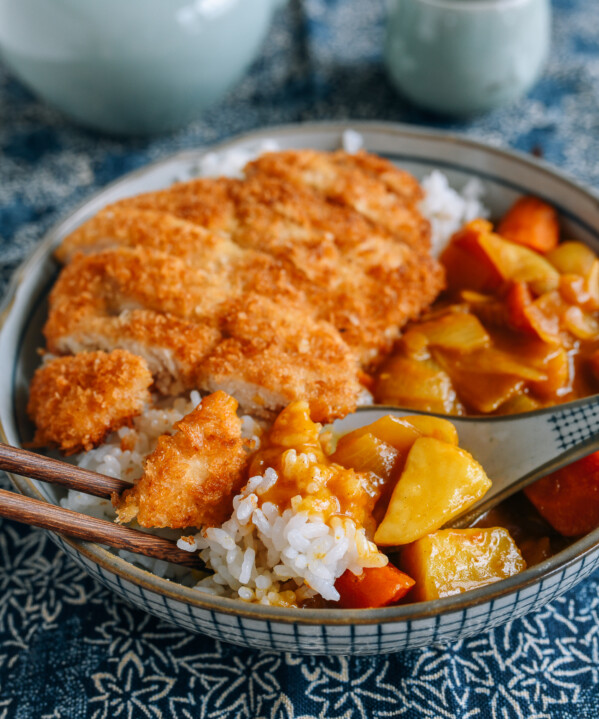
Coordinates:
(284, 296)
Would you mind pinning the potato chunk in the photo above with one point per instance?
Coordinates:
(402, 432)
(420, 384)
(435, 427)
(572, 258)
(439, 481)
(367, 453)
(452, 561)
(459, 331)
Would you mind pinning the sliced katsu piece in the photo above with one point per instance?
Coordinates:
(75, 402)
(201, 337)
(370, 309)
(370, 185)
(159, 257)
(98, 303)
(172, 348)
(273, 355)
(300, 244)
(353, 273)
(117, 226)
(205, 202)
(190, 479)
(134, 278)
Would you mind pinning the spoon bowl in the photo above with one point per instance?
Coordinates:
(514, 450)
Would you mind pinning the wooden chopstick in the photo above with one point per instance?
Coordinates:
(65, 521)
(28, 464)
(49, 516)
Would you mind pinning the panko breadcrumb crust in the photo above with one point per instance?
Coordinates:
(284, 285)
(190, 479)
(77, 401)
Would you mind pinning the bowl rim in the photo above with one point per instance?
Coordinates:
(114, 564)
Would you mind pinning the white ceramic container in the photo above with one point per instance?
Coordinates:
(505, 175)
(465, 56)
(132, 66)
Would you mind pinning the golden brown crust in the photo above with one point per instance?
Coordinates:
(191, 477)
(139, 300)
(204, 202)
(370, 185)
(274, 354)
(76, 401)
(125, 278)
(335, 237)
(123, 226)
(173, 349)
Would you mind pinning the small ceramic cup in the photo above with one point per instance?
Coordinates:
(460, 57)
(132, 66)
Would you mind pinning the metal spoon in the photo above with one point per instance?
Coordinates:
(514, 450)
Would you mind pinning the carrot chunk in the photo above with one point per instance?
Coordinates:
(375, 587)
(466, 263)
(527, 316)
(569, 498)
(531, 222)
(481, 260)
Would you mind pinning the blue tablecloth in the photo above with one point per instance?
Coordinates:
(68, 648)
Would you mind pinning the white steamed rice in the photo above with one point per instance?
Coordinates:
(259, 554)
(447, 209)
(274, 557)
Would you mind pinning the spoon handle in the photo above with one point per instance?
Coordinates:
(517, 450)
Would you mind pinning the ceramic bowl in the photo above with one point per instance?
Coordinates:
(460, 57)
(133, 66)
(505, 175)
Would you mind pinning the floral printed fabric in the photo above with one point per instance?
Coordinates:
(69, 648)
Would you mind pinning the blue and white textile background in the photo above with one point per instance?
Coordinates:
(68, 648)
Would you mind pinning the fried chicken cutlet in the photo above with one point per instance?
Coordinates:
(368, 184)
(290, 245)
(135, 300)
(76, 401)
(116, 226)
(332, 242)
(336, 252)
(190, 479)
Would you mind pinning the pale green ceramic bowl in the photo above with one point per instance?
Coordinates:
(132, 66)
(461, 57)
